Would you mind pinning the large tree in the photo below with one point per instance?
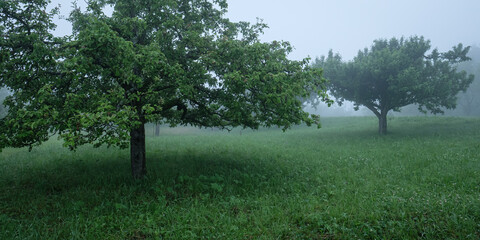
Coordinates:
(395, 73)
(165, 61)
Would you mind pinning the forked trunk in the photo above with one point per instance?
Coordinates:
(137, 152)
(382, 123)
(381, 114)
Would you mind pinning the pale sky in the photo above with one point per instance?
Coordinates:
(346, 26)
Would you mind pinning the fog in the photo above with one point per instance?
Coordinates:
(314, 27)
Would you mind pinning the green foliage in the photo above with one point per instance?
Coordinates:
(176, 62)
(420, 181)
(3, 95)
(398, 72)
(470, 100)
(28, 69)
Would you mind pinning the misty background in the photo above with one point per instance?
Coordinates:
(314, 27)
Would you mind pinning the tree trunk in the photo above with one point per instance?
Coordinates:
(137, 152)
(157, 129)
(382, 123)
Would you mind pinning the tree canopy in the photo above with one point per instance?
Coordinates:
(395, 73)
(469, 101)
(170, 61)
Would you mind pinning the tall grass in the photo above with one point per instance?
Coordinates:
(343, 181)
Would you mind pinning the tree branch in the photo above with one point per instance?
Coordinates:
(373, 109)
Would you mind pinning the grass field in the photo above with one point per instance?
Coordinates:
(344, 181)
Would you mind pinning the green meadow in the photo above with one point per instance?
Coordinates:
(343, 181)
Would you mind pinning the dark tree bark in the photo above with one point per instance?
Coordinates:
(157, 129)
(382, 118)
(137, 152)
(382, 123)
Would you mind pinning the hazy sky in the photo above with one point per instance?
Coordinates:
(346, 26)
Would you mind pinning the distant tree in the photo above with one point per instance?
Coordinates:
(395, 73)
(166, 61)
